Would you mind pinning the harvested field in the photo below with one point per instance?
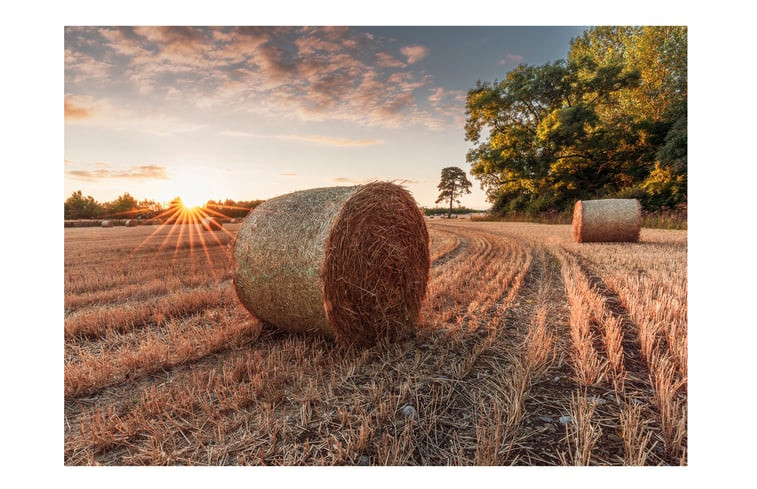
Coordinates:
(532, 350)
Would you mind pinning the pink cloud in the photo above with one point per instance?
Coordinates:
(386, 60)
(78, 107)
(308, 73)
(414, 53)
(139, 172)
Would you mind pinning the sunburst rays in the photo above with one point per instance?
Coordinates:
(185, 226)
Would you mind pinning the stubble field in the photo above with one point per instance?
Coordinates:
(531, 350)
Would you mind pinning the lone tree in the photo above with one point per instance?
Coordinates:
(453, 185)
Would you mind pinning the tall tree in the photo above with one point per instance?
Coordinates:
(453, 185)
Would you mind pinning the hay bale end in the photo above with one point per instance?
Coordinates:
(211, 224)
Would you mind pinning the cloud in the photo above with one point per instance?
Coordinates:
(386, 60)
(139, 172)
(511, 59)
(414, 53)
(342, 142)
(305, 73)
(77, 107)
(309, 138)
(287, 174)
(363, 181)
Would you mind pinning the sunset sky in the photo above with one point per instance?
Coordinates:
(251, 113)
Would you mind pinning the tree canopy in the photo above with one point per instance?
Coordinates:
(608, 121)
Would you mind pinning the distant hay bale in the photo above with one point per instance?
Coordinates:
(223, 220)
(235, 220)
(130, 223)
(606, 220)
(348, 262)
(211, 224)
(156, 222)
(80, 223)
(106, 224)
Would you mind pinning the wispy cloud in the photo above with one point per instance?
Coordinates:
(363, 181)
(138, 172)
(309, 138)
(77, 107)
(511, 59)
(287, 174)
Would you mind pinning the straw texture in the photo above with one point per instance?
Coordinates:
(607, 220)
(347, 262)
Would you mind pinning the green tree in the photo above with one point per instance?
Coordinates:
(453, 185)
(657, 53)
(149, 208)
(123, 204)
(537, 132)
(653, 111)
(79, 207)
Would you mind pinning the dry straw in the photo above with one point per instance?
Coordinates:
(211, 224)
(348, 262)
(606, 220)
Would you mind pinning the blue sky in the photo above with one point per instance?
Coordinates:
(249, 113)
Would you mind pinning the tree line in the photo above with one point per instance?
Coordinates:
(608, 122)
(77, 206)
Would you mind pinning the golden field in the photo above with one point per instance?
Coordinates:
(531, 350)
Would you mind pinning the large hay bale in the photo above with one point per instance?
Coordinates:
(106, 224)
(211, 224)
(130, 223)
(606, 220)
(235, 220)
(348, 262)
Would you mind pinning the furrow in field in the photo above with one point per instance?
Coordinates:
(331, 405)
(598, 330)
(176, 343)
(659, 381)
(98, 322)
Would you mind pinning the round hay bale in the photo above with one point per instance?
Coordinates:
(156, 222)
(235, 220)
(130, 223)
(223, 220)
(211, 224)
(106, 224)
(606, 220)
(348, 262)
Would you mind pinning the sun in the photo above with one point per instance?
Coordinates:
(190, 201)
